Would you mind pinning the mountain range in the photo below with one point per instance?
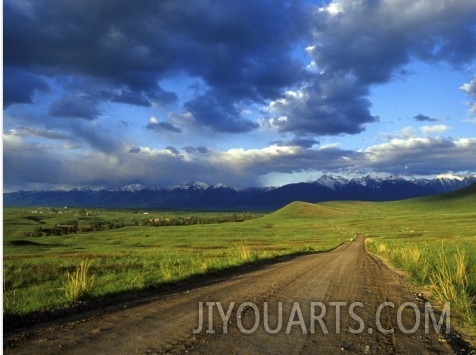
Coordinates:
(199, 195)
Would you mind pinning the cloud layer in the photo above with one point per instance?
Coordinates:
(240, 51)
(75, 71)
(237, 167)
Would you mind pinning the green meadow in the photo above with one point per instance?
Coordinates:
(38, 270)
(58, 257)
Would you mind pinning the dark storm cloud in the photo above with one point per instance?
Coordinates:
(371, 39)
(173, 150)
(131, 97)
(297, 141)
(243, 52)
(241, 56)
(221, 114)
(241, 49)
(196, 150)
(96, 137)
(75, 107)
(163, 126)
(423, 118)
(135, 150)
(19, 86)
(100, 89)
(27, 165)
(128, 96)
(332, 105)
(357, 44)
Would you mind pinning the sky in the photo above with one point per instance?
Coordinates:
(103, 93)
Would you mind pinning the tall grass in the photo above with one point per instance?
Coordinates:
(244, 251)
(449, 283)
(79, 284)
(445, 274)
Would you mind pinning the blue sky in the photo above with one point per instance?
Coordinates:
(256, 92)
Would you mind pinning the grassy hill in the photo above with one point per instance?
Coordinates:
(298, 210)
(465, 195)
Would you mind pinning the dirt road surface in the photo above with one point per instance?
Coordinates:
(307, 302)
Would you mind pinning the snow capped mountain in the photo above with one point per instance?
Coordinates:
(130, 188)
(446, 182)
(191, 185)
(331, 181)
(449, 182)
(449, 177)
(221, 186)
(366, 181)
(442, 183)
(84, 189)
(374, 182)
(200, 195)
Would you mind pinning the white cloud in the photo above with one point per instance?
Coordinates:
(333, 8)
(11, 138)
(435, 129)
(472, 120)
(470, 88)
(330, 145)
(422, 156)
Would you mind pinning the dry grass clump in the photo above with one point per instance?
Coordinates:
(79, 284)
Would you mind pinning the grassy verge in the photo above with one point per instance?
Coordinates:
(444, 272)
(433, 240)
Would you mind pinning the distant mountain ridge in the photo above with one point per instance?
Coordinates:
(200, 195)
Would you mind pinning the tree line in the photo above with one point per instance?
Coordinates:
(190, 220)
(96, 226)
(74, 227)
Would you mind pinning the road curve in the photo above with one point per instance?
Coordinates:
(341, 301)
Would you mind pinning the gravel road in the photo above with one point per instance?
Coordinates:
(343, 301)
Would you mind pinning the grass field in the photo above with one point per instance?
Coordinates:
(432, 239)
(38, 270)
